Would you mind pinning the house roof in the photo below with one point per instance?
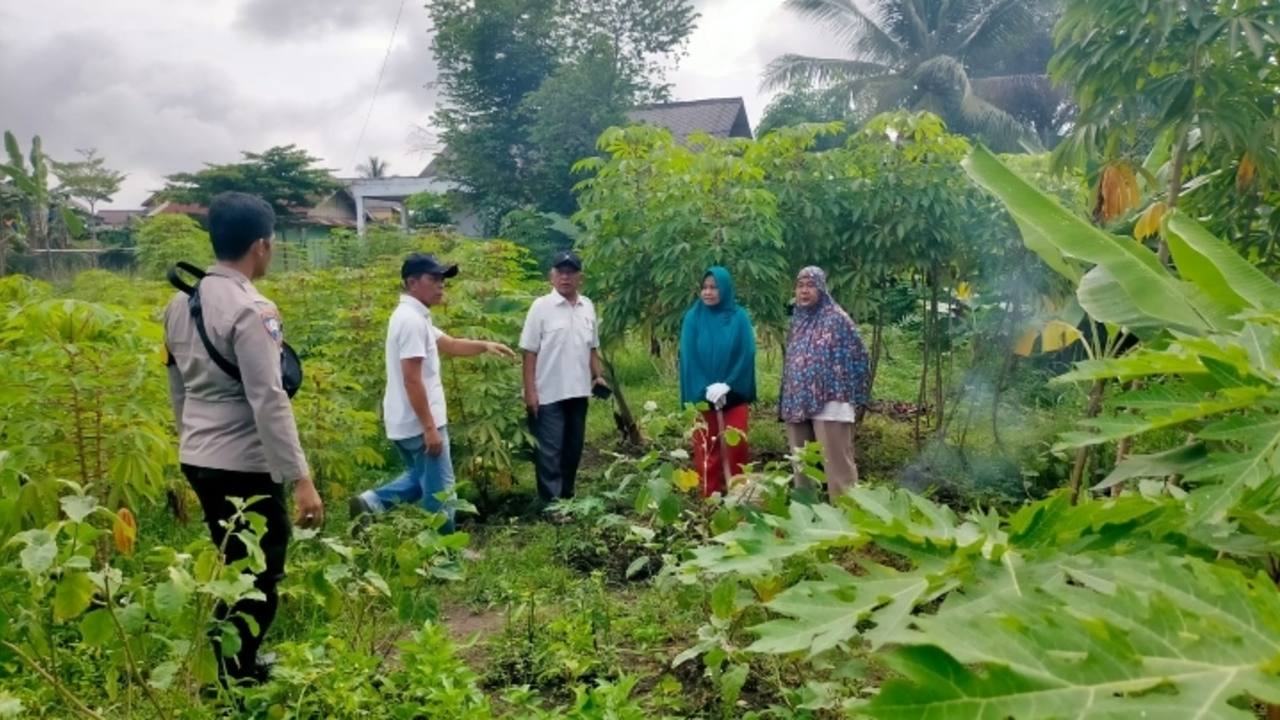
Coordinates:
(718, 117)
(166, 207)
(119, 218)
(433, 167)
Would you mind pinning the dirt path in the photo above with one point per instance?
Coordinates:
(464, 625)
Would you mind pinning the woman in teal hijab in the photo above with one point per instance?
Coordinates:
(718, 368)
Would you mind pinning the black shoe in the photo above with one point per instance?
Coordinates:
(361, 513)
(358, 507)
(258, 674)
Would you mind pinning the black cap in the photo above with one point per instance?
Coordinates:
(566, 258)
(425, 264)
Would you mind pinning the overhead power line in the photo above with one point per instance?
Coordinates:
(378, 85)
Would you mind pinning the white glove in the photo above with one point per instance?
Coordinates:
(717, 393)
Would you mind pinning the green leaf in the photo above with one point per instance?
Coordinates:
(731, 684)
(170, 598)
(636, 566)
(1142, 287)
(1225, 476)
(754, 548)
(10, 706)
(72, 596)
(1170, 462)
(78, 507)
(1099, 645)
(40, 551)
(377, 582)
(163, 674)
(724, 598)
(96, 628)
(823, 614)
(1215, 268)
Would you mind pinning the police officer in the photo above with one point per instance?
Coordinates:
(237, 437)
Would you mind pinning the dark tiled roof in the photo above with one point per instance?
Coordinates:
(718, 117)
(119, 218)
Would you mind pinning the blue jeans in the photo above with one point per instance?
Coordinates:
(424, 480)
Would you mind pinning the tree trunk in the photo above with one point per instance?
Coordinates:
(1175, 186)
(939, 401)
(1179, 156)
(877, 343)
(923, 393)
(1082, 454)
(93, 234)
(628, 428)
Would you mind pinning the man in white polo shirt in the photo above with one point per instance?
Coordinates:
(561, 369)
(413, 406)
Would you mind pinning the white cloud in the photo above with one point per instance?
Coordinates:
(162, 86)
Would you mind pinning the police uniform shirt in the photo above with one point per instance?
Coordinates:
(225, 424)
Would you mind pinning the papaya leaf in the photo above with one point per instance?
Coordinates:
(1099, 646)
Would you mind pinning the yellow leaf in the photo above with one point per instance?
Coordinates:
(125, 530)
(1026, 342)
(767, 588)
(1246, 171)
(1149, 223)
(1057, 335)
(964, 292)
(685, 479)
(1117, 192)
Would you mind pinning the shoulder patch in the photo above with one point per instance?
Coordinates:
(271, 321)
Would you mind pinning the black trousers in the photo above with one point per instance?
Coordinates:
(560, 429)
(214, 487)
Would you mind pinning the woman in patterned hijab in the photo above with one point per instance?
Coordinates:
(825, 379)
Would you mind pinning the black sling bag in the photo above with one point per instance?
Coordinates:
(290, 365)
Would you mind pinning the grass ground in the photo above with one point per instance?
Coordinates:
(542, 609)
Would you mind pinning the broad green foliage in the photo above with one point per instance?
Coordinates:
(515, 121)
(338, 319)
(84, 399)
(1214, 370)
(285, 176)
(163, 240)
(45, 214)
(651, 236)
(1153, 70)
(109, 636)
(542, 234)
(891, 202)
(980, 64)
(1104, 609)
(1106, 638)
(1160, 601)
(427, 209)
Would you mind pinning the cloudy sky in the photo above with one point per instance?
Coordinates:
(161, 86)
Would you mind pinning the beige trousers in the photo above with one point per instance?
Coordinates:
(836, 439)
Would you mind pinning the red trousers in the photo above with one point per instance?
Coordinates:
(706, 449)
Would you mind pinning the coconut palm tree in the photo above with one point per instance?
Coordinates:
(980, 64)
(375, 168)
